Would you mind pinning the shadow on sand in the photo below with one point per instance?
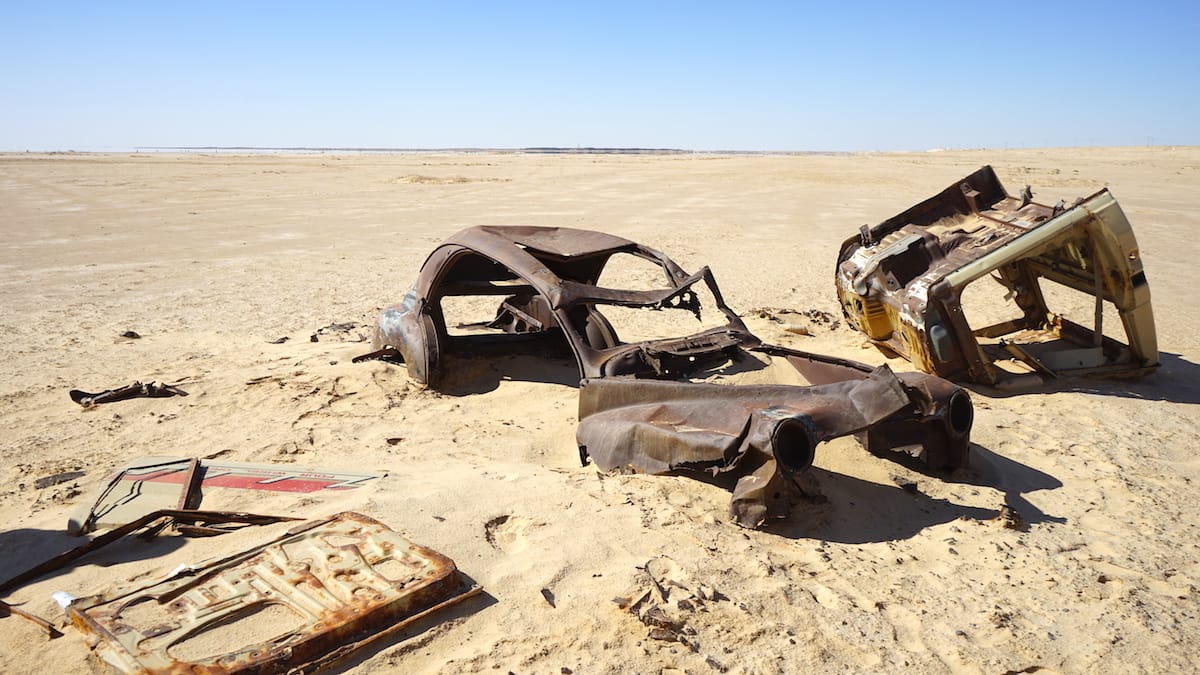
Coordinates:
(469, 375)
(24, 548)
(479, 373)
(1177, 380)
(858, 511)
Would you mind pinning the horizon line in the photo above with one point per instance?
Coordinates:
(595, 150)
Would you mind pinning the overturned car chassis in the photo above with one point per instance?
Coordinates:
(636, 408)
(902, 283)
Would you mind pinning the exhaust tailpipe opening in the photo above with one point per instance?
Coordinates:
(793, 446)
(960, 413)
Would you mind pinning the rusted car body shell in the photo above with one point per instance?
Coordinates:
(637, 410)
(546, 278)
(340, 582)
(901, 282)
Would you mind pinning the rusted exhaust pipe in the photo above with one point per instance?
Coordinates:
(793, 445)
(960, 413)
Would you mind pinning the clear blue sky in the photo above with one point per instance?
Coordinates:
(696, 75)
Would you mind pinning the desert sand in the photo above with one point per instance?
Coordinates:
(212, 258)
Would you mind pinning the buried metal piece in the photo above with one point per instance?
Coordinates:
(9, 610)
(304, 601)
(150, 483)
(902, 284)
(135, 390)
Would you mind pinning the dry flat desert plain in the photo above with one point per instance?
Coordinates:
(212, 258)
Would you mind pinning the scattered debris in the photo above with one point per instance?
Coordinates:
(1028, 669)
(302, 602)
(907, 484)
(1008, 518)
(384, 354)
(663, 599)
(815, 317)
(902, 281)
(151, 483)
(135, 390)
(350, 331)
(490, 528)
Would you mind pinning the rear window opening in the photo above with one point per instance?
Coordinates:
(629, 272)
(637, 324)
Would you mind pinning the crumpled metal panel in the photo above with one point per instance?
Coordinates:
(901, 282)
(311, 597)
(764, 434)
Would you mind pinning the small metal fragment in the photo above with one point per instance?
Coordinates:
(47, 481)
(135, 390)
(9, 610)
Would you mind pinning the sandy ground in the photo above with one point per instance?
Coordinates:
(210, 258)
